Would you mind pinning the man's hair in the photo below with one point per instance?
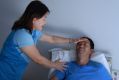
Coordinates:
(91, 42)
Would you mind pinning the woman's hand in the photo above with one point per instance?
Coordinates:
(77, 40)
(60, 65)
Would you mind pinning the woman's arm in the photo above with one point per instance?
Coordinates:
(34, 54)
(56, 39)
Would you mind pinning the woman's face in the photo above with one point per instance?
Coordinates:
(39, 23)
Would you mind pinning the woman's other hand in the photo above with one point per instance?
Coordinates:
(60, 65)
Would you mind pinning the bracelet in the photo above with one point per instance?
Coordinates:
(70, 45)
(70, 40)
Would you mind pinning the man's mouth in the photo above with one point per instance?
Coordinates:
(81, 50)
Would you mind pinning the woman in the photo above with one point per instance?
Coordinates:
(20, 46)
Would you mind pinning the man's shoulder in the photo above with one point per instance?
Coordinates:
(71, 63)
(91, 63)
(96, 64)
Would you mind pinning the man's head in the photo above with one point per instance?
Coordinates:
(84, 49)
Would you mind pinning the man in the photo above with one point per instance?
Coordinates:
(83, 68)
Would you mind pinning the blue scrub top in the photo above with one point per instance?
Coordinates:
(91, 71)
(13, 61)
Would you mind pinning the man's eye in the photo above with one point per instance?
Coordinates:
(77, 47)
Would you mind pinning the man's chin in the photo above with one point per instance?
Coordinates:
(83, 62)
(81, 51)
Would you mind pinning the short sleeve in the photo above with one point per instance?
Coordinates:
(60, 75)
(22, 38)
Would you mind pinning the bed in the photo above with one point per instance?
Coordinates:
(69, 55)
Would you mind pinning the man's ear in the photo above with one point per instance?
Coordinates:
(92, 50)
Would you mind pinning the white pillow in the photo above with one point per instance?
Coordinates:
(62, 54)
(69, 55)
(101, 58)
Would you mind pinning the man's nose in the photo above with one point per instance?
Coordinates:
(81, 46)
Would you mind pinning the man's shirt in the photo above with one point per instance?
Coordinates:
(91, 71)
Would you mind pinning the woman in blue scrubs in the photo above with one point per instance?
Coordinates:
(20, 45)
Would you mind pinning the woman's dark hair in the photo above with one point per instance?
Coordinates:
(36, 9)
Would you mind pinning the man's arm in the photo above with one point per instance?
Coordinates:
(53, 78)
(58, 75)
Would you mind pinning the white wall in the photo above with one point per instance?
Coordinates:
(10, 11)
(98, 19)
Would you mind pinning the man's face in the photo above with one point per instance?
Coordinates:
(83, 51)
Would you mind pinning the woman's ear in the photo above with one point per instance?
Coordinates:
(35, 22)
(34, 19)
